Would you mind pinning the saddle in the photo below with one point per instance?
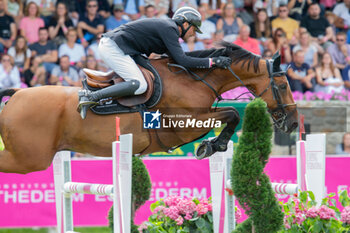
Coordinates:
(96, 80)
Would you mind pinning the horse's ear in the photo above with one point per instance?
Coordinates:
(276, 63)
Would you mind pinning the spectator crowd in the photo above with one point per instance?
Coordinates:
(48, 42)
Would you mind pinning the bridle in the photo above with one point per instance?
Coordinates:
(279, 114)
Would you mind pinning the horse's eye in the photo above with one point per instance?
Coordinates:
(283, 86)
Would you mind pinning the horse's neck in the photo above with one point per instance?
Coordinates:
(224, 80)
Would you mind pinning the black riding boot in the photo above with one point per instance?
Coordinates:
(88, 98)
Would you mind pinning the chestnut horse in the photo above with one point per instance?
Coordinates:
(38, 122)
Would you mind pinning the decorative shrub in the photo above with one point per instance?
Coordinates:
(251, 185)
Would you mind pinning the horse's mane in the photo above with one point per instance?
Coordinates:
(235, 52)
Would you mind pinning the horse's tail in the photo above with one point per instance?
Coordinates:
(8, 92)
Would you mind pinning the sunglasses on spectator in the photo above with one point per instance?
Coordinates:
(340, 40)
(280, 35)
(91, 6)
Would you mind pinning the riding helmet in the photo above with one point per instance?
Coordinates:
(190, 15)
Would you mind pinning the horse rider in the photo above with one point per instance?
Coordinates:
(145, 37)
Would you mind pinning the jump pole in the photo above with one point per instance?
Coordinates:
(120, 190)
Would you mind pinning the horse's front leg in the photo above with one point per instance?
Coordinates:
(231, 117)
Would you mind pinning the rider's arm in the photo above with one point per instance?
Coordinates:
(171, 41)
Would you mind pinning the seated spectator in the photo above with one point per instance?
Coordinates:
(297, 8)
(45, 50)
(75, 52)
(328, 4)
(310, 51)
(150, 12)
(73, 9)
(246, 42)
(346, 77)
(261, 27)
(176, 4)
(269, 6)
(8, 29)
(9, 74)
(89, 63)
(331, 19)
(340, 51)
(133, 9)
(116, 19)
(342, 11)
(344, 147)
(15, 10)
(289, 25)
(36, 74)
(328, 77)
(30, 24)
(208, 28)
(90, 25)
(229, 22)
(279, 43)
(156, 8)
(92, 49)
(64, 74)
(20, 53)
(59, 24)
(300, 76)
(47, 9)
(191, 44)
(317, 25)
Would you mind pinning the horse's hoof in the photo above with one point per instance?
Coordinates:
(204, 150)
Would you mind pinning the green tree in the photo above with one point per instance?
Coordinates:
(251, 185)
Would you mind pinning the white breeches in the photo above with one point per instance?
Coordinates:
(121, 63)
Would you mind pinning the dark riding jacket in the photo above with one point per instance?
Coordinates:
(154, 36)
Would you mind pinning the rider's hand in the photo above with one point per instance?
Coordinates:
(222, 62)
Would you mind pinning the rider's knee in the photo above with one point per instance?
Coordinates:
(142, 88)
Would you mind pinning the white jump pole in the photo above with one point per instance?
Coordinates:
(223, 203)
(120, 190)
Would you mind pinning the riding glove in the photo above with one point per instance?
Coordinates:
(222, 62)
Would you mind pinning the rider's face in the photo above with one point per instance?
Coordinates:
(191, 32)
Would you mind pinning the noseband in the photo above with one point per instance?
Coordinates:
(279, 114)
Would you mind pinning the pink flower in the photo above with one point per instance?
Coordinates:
(186, 206)
(326, 212)
(297, 95)
(172, 200)
(172, 212)
(300, 218)
(188, 216)
(179, 221)
(312, 212)
(159, 209)
(238, 214)
(142, 227)
(345, 215)
(285, 221)
(201, 209)
(206, 204)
